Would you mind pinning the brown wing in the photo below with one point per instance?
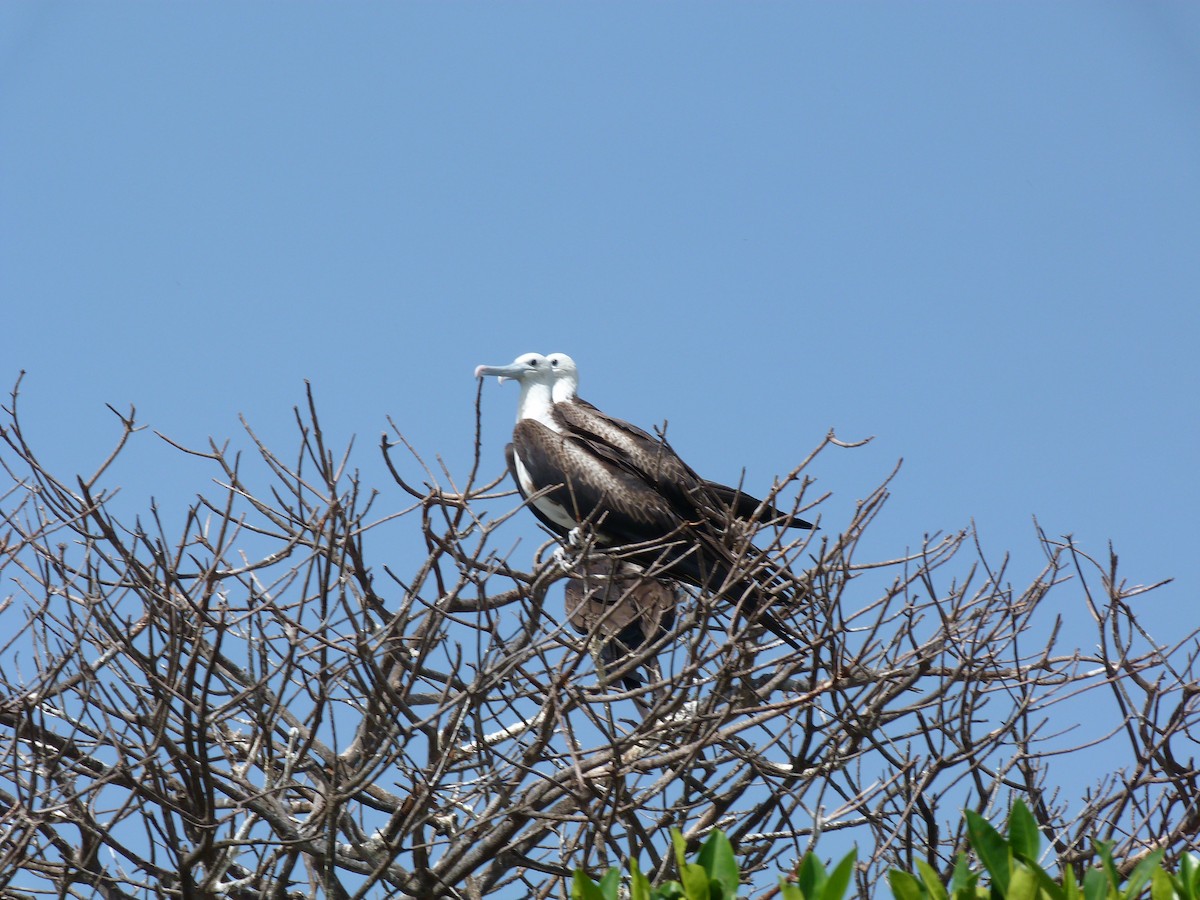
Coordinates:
(744, 506)
(585, 481)
(592, 488)
(658, 462)
(554, 526)
(650, 458)
(620, 602)
(622, 607)
(588, 486)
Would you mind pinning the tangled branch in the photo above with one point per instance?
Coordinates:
(266, 701)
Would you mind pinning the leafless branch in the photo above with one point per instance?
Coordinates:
(284, 693)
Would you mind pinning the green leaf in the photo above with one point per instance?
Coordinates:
(1070, 885)
(1095, 885)
(1014, 873)
(905, 886)
(1162, 886)
(991, 848)
(838, 881)
(610, 884)
(639, 884)
(1141, 875)
(1023, 834)
(1049, 886)
(1188, 882)
(692, 876)
(583, 888)
(679, 845)
(963, 880)
(720, 864)
(1022, 885)
(1104, 851)
(931, 880)
(810, 877)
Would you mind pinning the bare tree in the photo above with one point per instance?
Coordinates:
(258, 703)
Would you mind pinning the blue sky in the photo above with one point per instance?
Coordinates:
(970, 230)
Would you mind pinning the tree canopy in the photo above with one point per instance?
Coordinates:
(263, 695)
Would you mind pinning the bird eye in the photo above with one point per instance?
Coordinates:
(533, 362)
(553, 361)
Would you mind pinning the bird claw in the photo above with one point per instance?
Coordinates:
(567, 556)
(565, 559)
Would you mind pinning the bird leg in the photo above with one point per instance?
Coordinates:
(564, 559)
(567, 557)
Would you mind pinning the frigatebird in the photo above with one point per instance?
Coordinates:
(577, 466)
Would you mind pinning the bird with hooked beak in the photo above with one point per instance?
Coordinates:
(578, 467)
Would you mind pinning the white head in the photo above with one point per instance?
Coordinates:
(536, 377)
(566, 377)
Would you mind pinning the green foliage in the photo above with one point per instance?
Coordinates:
(813, 883)
(1010, 871)
(1012, 864)
(1184, 885)
(713, 876)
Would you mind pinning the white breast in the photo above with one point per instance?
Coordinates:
(547, 507)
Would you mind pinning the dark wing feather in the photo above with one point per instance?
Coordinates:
(592, 486)
(650, 458)
(623, 608)
(654, 459)
(628, 427)
(592, 480)
(744, 506)
(541, 516)
(622, 507)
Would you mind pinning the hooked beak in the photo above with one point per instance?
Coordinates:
(502, 373)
